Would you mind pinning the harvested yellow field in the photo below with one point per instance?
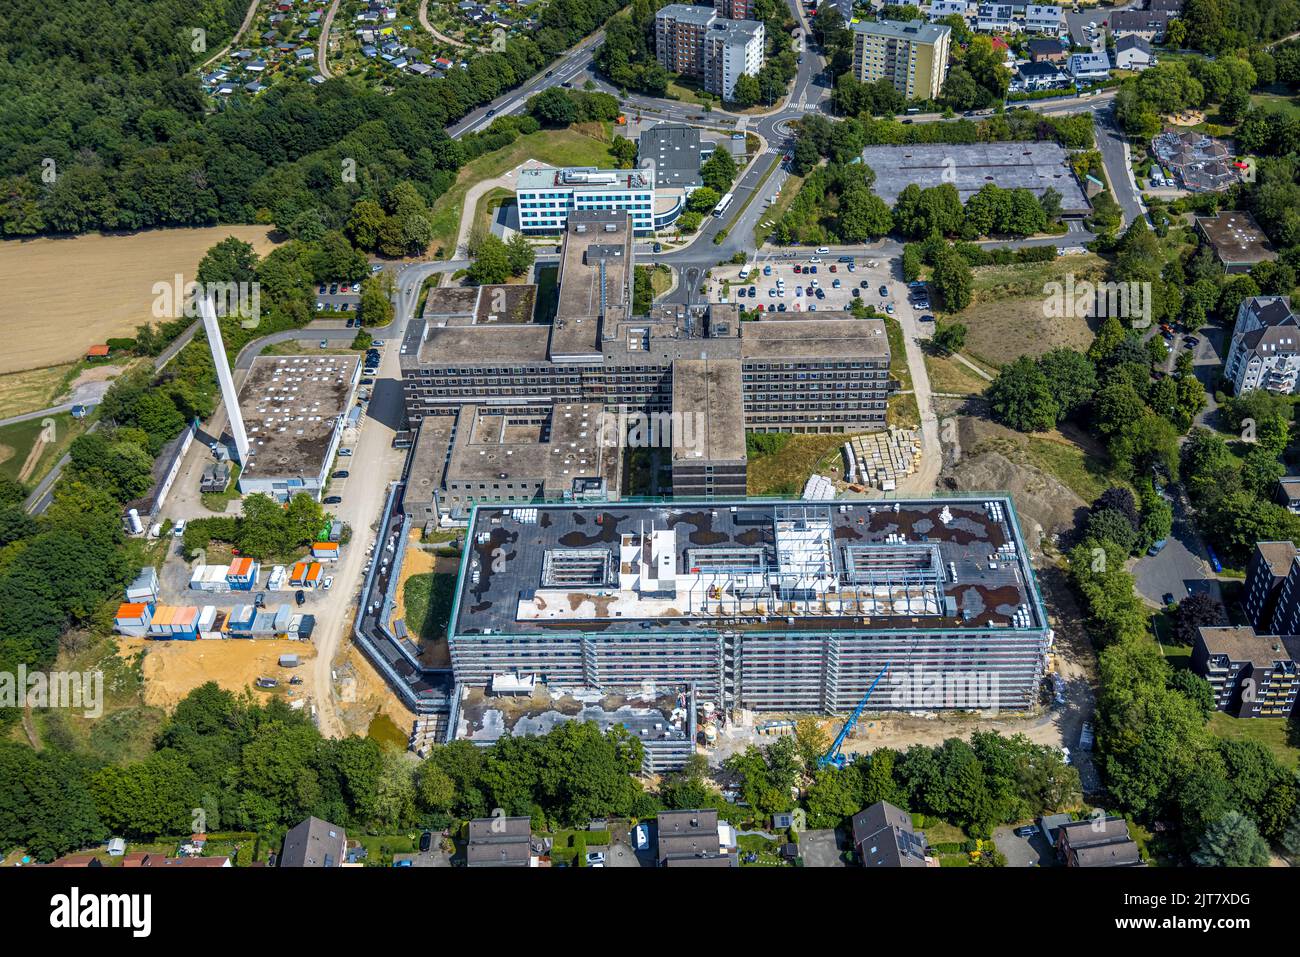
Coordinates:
(172, 669)
(63, 295)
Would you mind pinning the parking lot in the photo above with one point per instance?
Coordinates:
(818, 282)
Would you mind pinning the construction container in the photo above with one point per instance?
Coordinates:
(289, 661)
(325, 551)
(242, 574)
(145, 586)
(132, 619)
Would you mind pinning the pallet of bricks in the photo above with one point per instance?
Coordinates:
(882, 458)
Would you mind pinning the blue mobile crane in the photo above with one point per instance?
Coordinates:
(833, 758)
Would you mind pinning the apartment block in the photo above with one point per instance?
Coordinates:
(771, 606)
(1252, 675)
(996, 18)
(1265, 348)
(734, 9)
(913, 56)
(716, 51)
(546, 196)
(1268, 575)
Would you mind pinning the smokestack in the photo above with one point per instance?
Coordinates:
(228, 394)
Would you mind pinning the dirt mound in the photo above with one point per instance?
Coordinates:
(995, 463)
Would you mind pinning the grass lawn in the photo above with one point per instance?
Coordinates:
(1081, 472)
(1278, 102)
(1273, 733)
(17, 442)
(1007, 317)
(784, 471)
(488, 205)
(428, 600)
(765, 849)
(557, 147)
(901, 410)
(661, 280)
(33, 389)
(773, 214)
(950, 376)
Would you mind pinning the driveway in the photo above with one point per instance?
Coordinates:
(823, 848)
(1023, 852)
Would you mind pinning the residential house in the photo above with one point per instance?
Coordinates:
(1051, 51)
(314, 843)
(1089, 67)
(696, 838)
(883, 836)
(1265, 348)
(1132, 52)
(1092, 843)
(1044, 19)
(1150, 25)
(995, 18)
(1042, 75)
(946, 8)
(500, 842)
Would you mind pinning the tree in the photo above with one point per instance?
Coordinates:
(952, 280)
(1196, 689)
(376, 306)
(811, 741)
(1071, 378)
(1232, 841)
(553, 107)
(949, 337)
(1021, 398)
(520, 253)
(833, 797)
(718, 171)
(1112, 525)
(492, 264)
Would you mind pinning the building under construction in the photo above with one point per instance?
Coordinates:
(771, 606)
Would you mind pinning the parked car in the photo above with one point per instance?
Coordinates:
(752, 292)
(367, 381)
(1028, 831)
(378, 343)
(1157, 547)
(884, 290)
(345, 452)
(641, 837)
(927, 318)
(1086, 736)
(300, 597)
(595, 859)
(341, 473)
(1214, 560)
(821, 251)
(426, 839)
(332, 500)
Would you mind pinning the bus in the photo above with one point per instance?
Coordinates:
(722, 205)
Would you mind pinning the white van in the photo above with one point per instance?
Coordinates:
(744, 272)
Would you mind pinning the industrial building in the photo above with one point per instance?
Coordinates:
(913, 56)
(696, 42)
(545, 196)
(770, 606)
(1036, 167)
(293, 409)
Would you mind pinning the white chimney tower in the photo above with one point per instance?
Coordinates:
(228, 393)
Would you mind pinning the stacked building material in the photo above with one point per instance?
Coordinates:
(881, 459)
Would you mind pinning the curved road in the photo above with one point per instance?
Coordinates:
(423, 16)
(322, 47)
(243, 28)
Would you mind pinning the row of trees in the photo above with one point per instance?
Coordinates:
(990, 781)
